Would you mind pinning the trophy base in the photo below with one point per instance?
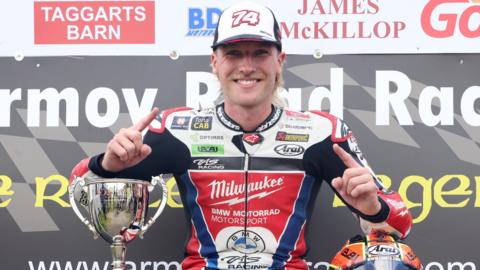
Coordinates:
(118, 267)
(118, 253)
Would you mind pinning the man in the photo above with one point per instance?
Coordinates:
(249, 171)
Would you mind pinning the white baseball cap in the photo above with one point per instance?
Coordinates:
(247, 21)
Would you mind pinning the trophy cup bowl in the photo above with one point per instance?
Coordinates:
(117, 209)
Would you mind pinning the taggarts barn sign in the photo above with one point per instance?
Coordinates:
(94, 22)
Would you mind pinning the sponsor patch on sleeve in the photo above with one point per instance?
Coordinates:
(353, 145)
(341, 131)
(202, 123)
(180, 122)
(157, 122)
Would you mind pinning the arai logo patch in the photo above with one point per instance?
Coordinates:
(289, 149)
(383, 250)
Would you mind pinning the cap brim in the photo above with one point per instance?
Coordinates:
(245, 38)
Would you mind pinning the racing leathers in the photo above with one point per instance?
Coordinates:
(248, 196)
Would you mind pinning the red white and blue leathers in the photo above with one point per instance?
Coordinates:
(249, 195)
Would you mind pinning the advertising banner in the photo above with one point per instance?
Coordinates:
(308, 27)
(416, 118)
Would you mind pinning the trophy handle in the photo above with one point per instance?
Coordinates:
(156, 180)
(71, 190)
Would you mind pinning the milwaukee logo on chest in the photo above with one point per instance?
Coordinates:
(223, 189)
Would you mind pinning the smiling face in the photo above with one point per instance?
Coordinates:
(248, 73)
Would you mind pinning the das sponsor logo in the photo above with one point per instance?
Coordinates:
(441, 18)
(289, 149)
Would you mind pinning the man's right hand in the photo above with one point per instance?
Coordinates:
(126, 148)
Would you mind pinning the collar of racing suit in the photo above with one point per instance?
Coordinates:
(228, 122)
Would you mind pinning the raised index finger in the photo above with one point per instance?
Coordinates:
(345, 157)
(145, 121)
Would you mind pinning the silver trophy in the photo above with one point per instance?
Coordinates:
(117, 208)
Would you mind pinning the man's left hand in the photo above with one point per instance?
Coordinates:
(356, 186)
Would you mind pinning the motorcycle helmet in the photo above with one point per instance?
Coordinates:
(376, 251)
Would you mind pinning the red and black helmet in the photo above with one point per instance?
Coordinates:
(376, 251)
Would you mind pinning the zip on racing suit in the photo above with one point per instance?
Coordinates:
(248, 195)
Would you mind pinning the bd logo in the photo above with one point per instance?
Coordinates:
(438, 23)
(202, 22)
